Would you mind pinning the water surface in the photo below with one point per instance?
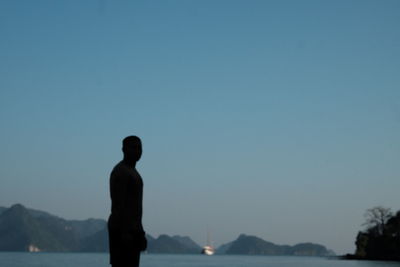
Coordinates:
(20, 259)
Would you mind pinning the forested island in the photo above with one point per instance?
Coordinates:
(23, 229)
(381, 239)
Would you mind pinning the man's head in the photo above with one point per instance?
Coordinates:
(132, 148)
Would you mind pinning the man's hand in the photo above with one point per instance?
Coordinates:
(138, 240)
(143, 242)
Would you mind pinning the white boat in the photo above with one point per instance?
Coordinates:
(208, 250)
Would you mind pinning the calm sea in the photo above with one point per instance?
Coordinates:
(160, 260)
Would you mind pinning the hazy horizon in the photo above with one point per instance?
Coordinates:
(279, 119)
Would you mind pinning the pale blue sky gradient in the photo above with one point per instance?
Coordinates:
(274, 118)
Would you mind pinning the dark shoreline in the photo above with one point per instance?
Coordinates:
(355, 257)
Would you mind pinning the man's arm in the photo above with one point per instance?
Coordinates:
(118, 192)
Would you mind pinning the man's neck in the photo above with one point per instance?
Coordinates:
(129, 162)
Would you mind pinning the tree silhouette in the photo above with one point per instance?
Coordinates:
(381, 239)
(377, 217)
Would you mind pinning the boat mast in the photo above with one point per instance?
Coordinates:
(208, 237)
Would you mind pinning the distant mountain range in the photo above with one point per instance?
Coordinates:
(252, 245)
(23, 229)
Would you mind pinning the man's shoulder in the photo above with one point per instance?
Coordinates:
(119, 169)
(118, 166)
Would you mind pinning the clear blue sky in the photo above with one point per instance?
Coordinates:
(279, 119)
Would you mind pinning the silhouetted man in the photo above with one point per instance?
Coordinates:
(126, 235)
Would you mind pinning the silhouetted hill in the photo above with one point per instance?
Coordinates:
(188, 243)
(97, 242)
(88, 227)
(23, 229)
(252, 245)
(223, 248)
(2, 209)
(310, 249)
(20, 231)
(150, 238)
